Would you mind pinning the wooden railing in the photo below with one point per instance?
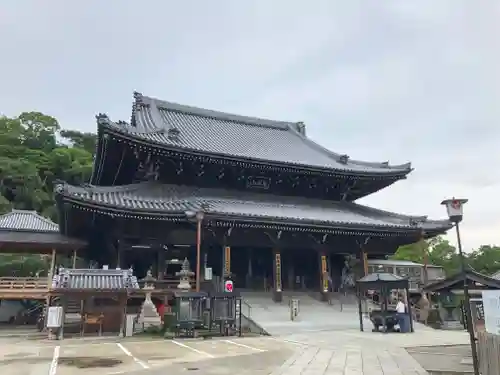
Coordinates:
(489, 353)
(23, 283)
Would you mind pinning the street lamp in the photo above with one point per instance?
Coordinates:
(454, 208)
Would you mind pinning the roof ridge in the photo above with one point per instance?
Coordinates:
(202, 112)
(63, 185)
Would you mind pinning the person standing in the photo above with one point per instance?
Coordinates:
(401, 311)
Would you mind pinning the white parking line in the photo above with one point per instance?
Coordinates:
(192, 349)
(244, 346)
(299, 343)
(136, 360)
(55, 360)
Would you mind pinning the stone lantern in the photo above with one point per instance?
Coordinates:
(184, 275)
(149, 314)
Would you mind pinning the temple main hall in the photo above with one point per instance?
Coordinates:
(242, 197)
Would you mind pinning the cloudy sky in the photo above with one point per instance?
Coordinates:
(379, 80)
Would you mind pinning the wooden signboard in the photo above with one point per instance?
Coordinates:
(227, 260)
(277, 263)
(324, 273)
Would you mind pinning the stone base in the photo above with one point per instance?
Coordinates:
(151, 322)
(277, 296)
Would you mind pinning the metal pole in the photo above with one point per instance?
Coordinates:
(468, 314)
(198, 254)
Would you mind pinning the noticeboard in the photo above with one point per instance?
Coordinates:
(54, 317)
(491, 310)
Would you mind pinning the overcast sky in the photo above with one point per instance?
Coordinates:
(384, 80)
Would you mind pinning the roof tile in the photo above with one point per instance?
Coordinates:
(98, 279)
(250, 138)
(22, 220)
(152, 197)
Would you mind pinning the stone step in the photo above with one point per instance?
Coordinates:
(314, 315)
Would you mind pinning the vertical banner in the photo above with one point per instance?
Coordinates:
(277, 263)
(324, 273)
(227, 261)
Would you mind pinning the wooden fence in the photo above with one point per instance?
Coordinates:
(489, 353)
(19, 283)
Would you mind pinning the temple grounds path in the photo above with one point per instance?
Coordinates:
(347, 352)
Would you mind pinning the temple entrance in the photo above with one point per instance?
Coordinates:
(300, 270)
(336, 264)
(252, 268)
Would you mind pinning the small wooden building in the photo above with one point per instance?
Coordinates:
(26, 232)
(450, 295)
(94, 300)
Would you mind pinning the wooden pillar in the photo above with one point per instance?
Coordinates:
(204, 262)
(323, 277)
(123, 306)
(364, 262)
(291, 272)
(50, 279)
(52, 266)
(161, 263)
(118, 256)
(408, 306)
(249, 273)
(74, 258)
(199, 219)
(277, 287)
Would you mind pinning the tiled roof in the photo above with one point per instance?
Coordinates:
(156, 198)
(393, 262)
(217, 133)
(21, 220)
(381, 276)
(397, 262)
(95, 279)
(457, 279)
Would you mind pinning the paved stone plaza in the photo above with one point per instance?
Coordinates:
(348, 352)
(82, 356)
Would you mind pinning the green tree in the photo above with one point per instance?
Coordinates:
(85, 141)
(413, 252)
(485, 259)
(5, 205)
(14, 265)
(39, 131)
(438, 250)
(443, 254)
(32, 158)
